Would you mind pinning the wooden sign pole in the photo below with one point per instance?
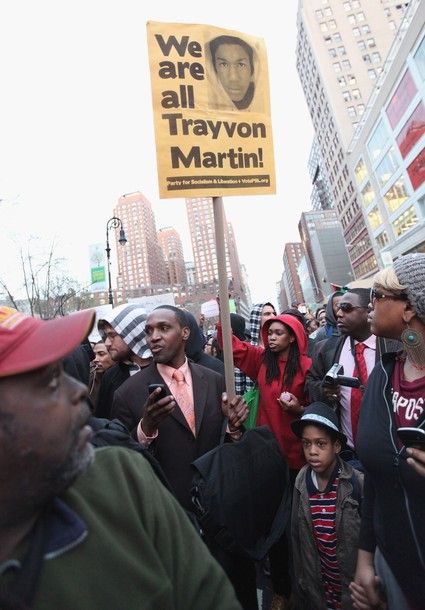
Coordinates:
(223, 292)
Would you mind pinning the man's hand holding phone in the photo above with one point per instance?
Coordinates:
(157, 407)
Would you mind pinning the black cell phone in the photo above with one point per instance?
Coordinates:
(153, 386)
(412, 437)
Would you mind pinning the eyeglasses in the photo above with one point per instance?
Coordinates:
(377, 295)
(348, 308)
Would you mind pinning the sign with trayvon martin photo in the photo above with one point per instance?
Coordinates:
(211, 105)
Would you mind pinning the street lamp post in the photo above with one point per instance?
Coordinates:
(113, 223)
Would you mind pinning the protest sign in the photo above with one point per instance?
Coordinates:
(211, 105)
(210, 308)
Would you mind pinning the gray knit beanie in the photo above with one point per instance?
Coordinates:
(410, 271)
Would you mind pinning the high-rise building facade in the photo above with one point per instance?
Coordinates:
(190, 273)
(172, 250)
(341, 49)
(387, 152)
(140, 262)
(326, 252)
(320, 198)
(200, 215)
(292, 254)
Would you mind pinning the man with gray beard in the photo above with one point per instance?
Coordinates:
(81, 528)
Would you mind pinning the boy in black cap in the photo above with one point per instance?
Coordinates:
(325, 514)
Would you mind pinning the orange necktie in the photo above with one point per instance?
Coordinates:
(184, 399)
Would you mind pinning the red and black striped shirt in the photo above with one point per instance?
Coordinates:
(323, 512)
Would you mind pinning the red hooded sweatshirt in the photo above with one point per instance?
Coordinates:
(249, 358)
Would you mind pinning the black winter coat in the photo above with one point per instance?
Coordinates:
(393, 511)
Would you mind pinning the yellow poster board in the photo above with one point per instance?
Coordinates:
(211, 104)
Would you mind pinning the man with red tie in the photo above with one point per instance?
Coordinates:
(357, 350)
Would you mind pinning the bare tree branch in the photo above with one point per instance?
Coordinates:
(9, 294)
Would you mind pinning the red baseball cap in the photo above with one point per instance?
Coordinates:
(28, 343)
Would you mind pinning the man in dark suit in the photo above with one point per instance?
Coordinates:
(161, 422)
(186, 423)
(353, 324)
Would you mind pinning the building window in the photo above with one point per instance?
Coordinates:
(319, 14)
(416, 170)
(356, 94)
(360, 171)
(356, 32)
(365, 29)
(401, 99)
(378, 141)
(366, 59)
(395, 196)
(332, 24)
(341, 81)
(387, 12)
(392, 25)
(336, 37)
(328, 11)
(361, 44)
(332, 52)
(387, 168)
(374, 218)
(351, 79)
(368, 195)
(347, 6)
(346, 96)
(371, 74)
(351, 19)
(412, 130)
(351, 112)
(327, 39)
(376, 57)
(346, 64)
(337, 66)
(360, 16)
(360, 109)
(405, 221)
(371, 43)
(324, 26)
(342, 51)
(382, 240)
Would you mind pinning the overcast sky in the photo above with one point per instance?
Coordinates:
(76, 127)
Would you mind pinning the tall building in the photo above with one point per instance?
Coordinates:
(326, 253)
(172, 250)
(201, 225)
(140, 262)
(292, 255)
(387, 152)
(341, 49)
(190, 273)
(320, 197)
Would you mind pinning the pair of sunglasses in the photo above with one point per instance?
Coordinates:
(377, 295)
(348, 308)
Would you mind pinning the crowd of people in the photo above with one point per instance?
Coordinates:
(84, 524)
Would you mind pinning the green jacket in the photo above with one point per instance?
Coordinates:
(133, 547)
(308, 575)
